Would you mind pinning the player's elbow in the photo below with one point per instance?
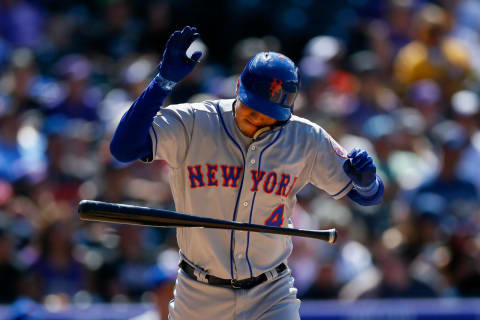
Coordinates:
(128, 151)
(120, 152)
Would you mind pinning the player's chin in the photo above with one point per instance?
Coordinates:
(249, 131)
(248, 128)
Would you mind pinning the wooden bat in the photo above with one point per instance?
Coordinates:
(128, 214)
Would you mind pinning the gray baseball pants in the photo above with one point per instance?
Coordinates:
(271, 300)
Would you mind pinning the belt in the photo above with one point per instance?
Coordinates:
(230, 283)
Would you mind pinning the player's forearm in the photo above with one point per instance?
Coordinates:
(131, 140)
(367, 198)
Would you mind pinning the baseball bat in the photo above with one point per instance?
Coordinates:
(129, 214)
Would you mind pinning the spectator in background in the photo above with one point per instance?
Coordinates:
(331, 89)
(424, 235)
(465, 110)
(465, 107)
(467, 23)
(388, 35)
(399, 17)
(161, 287)
(463, 268)
(460, 195)
(10, 272)
(80, 99)
(56, 271)
(382, 130)
(61, 180)
(13, 17)
(19, 79)
(396, 281)
(134, 260)
(426, 97)
(157, 30)
(413, 159)
(325, 285)
(118, 32)
(433, 54)
(121, 278)
(384, 133)
(11, 167)
(114, 182)
(373, 96)
(20, 148)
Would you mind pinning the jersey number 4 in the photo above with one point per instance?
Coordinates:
(276, 218)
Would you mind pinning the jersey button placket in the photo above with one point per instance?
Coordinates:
(243, 213)
(252, 161)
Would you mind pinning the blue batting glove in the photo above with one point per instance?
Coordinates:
(360, 168)
(175, 64)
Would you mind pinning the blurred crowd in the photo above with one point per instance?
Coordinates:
(399, 78)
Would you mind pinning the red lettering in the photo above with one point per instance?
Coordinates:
(230, 174)
(270, 182)
(282, 185)
(211, 175)
(196, 176)
(291, 187)
(257, 176)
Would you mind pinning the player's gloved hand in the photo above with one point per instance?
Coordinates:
(175, 64)
(360, 168)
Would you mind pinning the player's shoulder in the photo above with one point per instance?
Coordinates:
(296, 120)
(309, 131)
(222, 105)
(302, 124)
(210, 106)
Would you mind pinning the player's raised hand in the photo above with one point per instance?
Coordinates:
(360, 168)
(175, 64)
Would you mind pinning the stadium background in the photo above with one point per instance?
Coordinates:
(397, 77)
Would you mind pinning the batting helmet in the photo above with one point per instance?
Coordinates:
(269, 84)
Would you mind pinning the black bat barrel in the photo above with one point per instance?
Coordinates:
(137, 215)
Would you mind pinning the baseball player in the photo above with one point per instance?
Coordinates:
(244, 160)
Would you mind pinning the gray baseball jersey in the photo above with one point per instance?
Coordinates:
(215, 171)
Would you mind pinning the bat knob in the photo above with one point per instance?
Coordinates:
(332, 237)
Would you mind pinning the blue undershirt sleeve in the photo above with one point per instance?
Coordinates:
(131, 140)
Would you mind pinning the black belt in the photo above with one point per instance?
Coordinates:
(230, 283)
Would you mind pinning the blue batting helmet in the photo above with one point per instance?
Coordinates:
(269, 84)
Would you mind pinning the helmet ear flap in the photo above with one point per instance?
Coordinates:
(238, 85)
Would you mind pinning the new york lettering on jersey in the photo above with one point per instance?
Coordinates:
(230, 175)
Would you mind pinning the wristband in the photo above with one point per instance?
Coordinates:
(369, 190)
(163, 83)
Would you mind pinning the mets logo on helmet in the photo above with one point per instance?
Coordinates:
(275, 87)
(339, 150)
